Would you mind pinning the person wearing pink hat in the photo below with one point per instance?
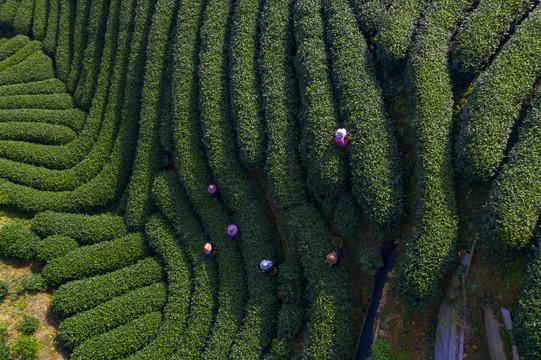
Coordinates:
(210, 249)
(213, 190)
(342, 137)
(232, 231)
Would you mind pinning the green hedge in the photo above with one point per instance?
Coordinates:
(179, 282)
(291, 314)
(49, 42)
(8, 10)
(73, 118)
(95, 259)
(91, 165)
(483, 32)
(63, 53)
(245, 96)
(49, 86)
(41, 101)
(375, 179)
(514, 203)
(54, 246)
(39, 20)
(496, 100)
(115, 312)
(370, 14)
(148, 158)
(120, 341)
(41, 133)
(330, 328)
(173, 203)
(103, 16)
(11, 46)
(279, 93)
(85, 229)
(195, 177)
(396, 32)
(325, 164)
(36, 67)
(21, 54)
(236, 189)
(109, 184)
(84, 294)
(79, 37)
(17, 241)
(22, 23)
(431, 247)
(526, 324)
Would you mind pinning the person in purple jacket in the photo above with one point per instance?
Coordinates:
(342, 137)
(232, 231)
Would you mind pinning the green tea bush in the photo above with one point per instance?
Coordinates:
(115, 312)
(85, 229)
(279, 93)
(49, 42)
(526, 329)
(91, 165)
(79, 37)
(84, 294)
(396, 32)
(109, 184)
(347, 216)
(45, 101)
(514, 204)
(330, 329)
(195, 177)
(162, 240)
(32, 283)
(54, 246)
(430, 248)
(8, 11)
(95, 259)
(121, 341)
(375, 179)
(28, 324)
(495, 102)
(63, 53)
(4, 347)
(36, 67)
(173, 203)
(39, 19)
(148, 157)
(237, 190)
(22, 23)
(326, 166)
(245, 96)
(308, 232)
(483, 32)
(40, 133)
(18, 241)
(370, 262)
(291, 313)
(11, 46)
(370, 14)
(103, 15)
(49, 86)
(4, 288)
(73, 118)
(381, 350)
(25, 347)
(21, 54)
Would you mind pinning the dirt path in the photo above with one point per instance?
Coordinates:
(15, 305)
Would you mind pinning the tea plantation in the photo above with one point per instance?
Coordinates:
(116, 116)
